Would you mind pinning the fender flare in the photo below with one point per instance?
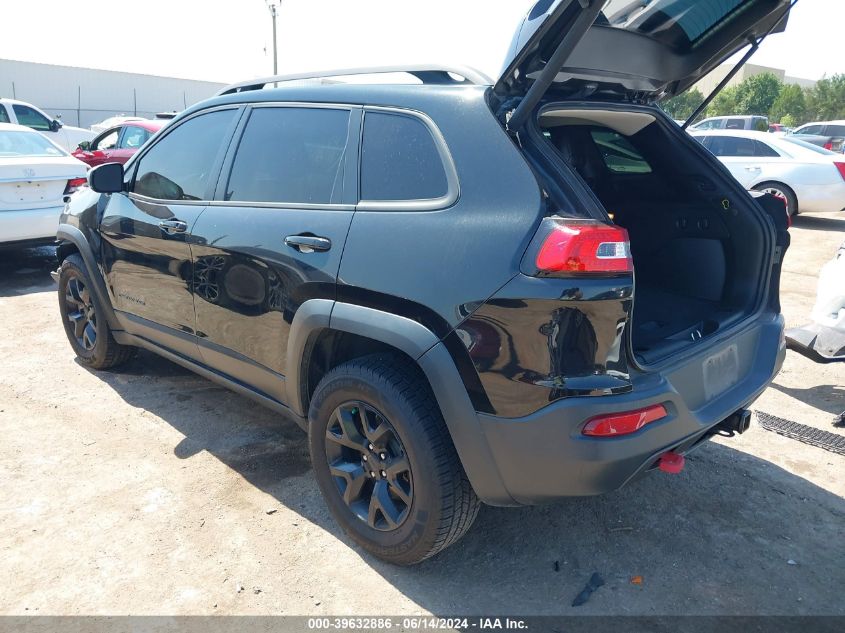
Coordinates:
(69, 233)
(432, 357)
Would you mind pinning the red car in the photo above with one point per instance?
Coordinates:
(117, 144)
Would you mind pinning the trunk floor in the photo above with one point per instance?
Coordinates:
(658, 315)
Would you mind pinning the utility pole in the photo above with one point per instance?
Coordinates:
(271, 4)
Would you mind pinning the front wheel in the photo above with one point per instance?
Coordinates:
(86, 328)
(385, 462)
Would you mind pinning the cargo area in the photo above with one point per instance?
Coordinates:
(697, 245)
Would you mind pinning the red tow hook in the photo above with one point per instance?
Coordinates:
(671, 463)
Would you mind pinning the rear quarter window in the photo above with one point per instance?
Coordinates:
(400, 160)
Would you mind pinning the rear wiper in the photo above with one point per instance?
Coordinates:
(755, 44)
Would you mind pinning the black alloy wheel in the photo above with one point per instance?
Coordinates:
(83, 318)
(369, 466)
(81, 313)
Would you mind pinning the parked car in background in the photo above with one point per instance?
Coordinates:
(827, 134)
(779, 128)
(35, 174)
(823, 339)
(117, 144)
(66, 136)
(808, 177)
(113, 121)
(759, 123)
(451, 314)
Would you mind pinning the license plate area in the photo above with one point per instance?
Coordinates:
(721, 371)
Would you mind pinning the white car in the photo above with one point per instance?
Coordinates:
(808, 177)
(113, 121)
(824, 339)
(67, 136)
(35, 175)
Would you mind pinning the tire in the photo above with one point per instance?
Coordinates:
(432, 502)
(86, 327)
(781, 190)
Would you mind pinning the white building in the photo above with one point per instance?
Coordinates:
(708, 83)
(83, 96)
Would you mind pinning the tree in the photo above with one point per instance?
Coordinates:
(790, 102)
(788, 120)
(757, 94)
(725, 103)
(683, 105)
(826, 101)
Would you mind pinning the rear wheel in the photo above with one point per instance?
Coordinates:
(780, 190)
(385, 462)
(86, 328)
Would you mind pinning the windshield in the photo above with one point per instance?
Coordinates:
(21, 143)
(680, 24)
(806, 145)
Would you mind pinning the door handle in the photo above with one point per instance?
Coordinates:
(173, 226)
(308, 243)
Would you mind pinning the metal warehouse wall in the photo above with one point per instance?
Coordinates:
(83, 96)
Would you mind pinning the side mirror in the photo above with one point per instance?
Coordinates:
(106, 178)
(55, 125)
(85, 146)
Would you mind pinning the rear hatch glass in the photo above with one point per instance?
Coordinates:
(679, 24)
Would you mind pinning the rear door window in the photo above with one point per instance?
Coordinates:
(291, 155)
(735, 124)
(4, 116)
(178, 166)
(761, 149)
(618, 153)
(810, 129)
(400, 160)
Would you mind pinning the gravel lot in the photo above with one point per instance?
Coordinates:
(152, 491)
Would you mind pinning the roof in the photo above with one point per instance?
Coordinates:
(152, 125)
(396, 95)
(14, 127)
(734, 116)
(426, 73)
(839, 122)
(763, 136)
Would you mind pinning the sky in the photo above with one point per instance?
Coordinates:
(231, 40)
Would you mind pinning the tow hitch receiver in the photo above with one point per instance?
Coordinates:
(671, 462)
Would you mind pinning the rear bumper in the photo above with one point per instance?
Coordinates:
(821, 198)
(29, 225)
(543, 456)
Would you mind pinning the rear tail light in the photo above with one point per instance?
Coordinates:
(585, 247)
(615, 424)
(828, 145)
(841, 168)
(75, 184)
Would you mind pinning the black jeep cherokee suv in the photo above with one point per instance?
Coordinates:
(464, 290)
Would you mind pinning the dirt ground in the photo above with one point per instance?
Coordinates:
(152, 491)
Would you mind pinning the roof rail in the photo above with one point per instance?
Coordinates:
(427, 73)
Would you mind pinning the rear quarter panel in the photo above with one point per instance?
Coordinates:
(437, 267)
